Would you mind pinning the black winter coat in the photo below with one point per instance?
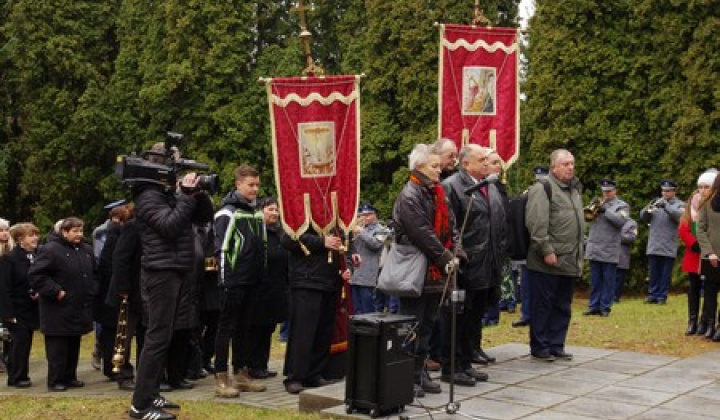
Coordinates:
(208, 289)
(414, 219)
(272, 294)
(61, 265)
(15, 291)
(166, 226)
(486, 233)
(104, 314)
(312, 271)
(126, 260)
(239, 242)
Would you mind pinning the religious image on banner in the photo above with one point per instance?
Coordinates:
(478, 88)
(479, 91)
(315, 125)
(317, 149)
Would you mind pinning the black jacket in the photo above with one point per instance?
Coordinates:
(126, 259)
(104, 314)
(61, 265)
(15, 291)
(486, 233)
(414, 218)
(166, 226)
(272, 298)
(208, 289)
(312, 271)
(239, 242)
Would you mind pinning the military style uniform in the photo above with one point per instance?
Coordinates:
(662, 242)
(603, 251)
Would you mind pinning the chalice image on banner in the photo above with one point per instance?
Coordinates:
(317, 149)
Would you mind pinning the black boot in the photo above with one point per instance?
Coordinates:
(710, 332)
(702, 326)
(692, 326)
(716, 337)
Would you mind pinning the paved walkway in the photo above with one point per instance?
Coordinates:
(596, 384)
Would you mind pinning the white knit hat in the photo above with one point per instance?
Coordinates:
(708, 177)
(4, 223)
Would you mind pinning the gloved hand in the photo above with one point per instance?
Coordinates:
(452, 265)
(660, 204)
(602, 209)
(695, 247)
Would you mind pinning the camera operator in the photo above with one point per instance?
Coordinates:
(165, 218)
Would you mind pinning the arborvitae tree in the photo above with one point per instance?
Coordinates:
(58, 58)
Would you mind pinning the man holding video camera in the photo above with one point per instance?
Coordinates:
(165, 216)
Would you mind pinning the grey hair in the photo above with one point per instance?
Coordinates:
(419, 155)
(437, 147)
(555, 155)
(472, 148)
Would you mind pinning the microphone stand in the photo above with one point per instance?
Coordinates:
(457, 297)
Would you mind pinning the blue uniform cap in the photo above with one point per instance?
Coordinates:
(114, 204)
(366, 208)
(668, 184)
(607, 184)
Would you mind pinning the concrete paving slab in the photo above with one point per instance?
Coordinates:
(666, 414)
(641, 358)
(528, 396)
(671, 372)
(609, 365)
(591, 375)
(711, 392)
(509, 351)
(480, 388)
(496, 410)
(589, 352)
(678, 386)
(534, 366)
(695, 405)
(505, 376)
(639, 396)
(557, 415)
(562, 385)
(591, 407)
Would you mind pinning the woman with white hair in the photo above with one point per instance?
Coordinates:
(6, 242)
(423, 219)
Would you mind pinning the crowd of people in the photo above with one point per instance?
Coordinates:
(200, 291)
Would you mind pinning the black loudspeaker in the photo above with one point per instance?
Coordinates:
(380, 373)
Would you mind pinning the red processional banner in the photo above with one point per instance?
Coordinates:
(316, 149)
(478, 88)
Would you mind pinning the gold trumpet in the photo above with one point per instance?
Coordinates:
(590, 211)
(118, 359)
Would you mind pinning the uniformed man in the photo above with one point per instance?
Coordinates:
(603, 248)
(663, 216)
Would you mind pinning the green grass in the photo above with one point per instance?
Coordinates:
(632, 326)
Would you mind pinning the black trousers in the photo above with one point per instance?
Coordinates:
(179, 356)
(693, 295)
(259, 348)
(209, 326)
(312, 322)
(466, 331)
(18, 352)
(235, 309)
(160, 290)
(62, 354)
(710, 300)
(550, 310)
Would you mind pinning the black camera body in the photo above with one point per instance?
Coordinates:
(146, 169)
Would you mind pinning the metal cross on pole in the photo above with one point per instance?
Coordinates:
(479, 17)
(305, 35)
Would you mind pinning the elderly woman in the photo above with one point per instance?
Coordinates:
(422, 218)
(63, 274)
(18, 302)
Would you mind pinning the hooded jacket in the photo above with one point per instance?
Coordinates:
(239, 242)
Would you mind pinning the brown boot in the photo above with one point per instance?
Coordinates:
(223, 387)
(244, 383)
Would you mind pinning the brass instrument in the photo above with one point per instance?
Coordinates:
(118, 359)
(590, 211)
(653, 204)
(211, 264)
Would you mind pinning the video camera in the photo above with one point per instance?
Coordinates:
(163, 167)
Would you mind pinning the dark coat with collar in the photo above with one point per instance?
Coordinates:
(61, 265)
(15, 301)
(485, 238)
(414, 218)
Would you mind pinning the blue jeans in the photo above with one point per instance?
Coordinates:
(620, 276)
(660, 274)
(602, 294)
(362, 299)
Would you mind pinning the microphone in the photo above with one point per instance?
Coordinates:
(490, 179)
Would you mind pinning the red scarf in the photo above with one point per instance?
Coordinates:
(441, 225)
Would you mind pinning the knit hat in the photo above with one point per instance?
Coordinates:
(707, 178)
(4, 223)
